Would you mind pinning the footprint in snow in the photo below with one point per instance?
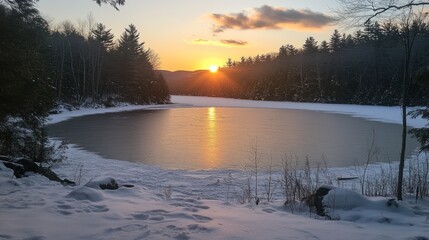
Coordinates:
(268, 210)
(35, 238)
(191, 209)
(197, 227)
(200, 218)
(140, 216)
(2, 236)
(127, 228)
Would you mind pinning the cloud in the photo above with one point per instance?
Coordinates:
(232, 42)
(267, 17)
(220, 43)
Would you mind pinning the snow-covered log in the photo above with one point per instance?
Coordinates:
(22, 166)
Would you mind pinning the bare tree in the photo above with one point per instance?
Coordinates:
(410, 15)
(357, 12)
(372, 151)
(255, 159)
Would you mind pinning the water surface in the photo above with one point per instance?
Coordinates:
(223, 138)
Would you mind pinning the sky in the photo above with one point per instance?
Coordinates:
(193, 35)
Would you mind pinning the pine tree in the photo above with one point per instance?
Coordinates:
(26, 93)
(335, 42)
(129, 53)
(104, 42)
(310, 45)
(103, 36)
(324, 47)
(136, 74)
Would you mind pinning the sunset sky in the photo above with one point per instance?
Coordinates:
(192, 35)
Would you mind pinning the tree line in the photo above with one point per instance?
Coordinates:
(41, 66)
(361, 68)
(89, 65)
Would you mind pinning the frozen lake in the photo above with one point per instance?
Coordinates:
(223, 138)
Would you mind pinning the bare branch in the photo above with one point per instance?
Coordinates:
(361, 12)
(114, 3)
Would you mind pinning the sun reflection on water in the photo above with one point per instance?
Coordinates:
(211, 146)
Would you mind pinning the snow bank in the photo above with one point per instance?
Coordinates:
(340, 198)
(40, 209)
(347, 205)
(86, 193)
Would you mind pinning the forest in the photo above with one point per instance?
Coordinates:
(43, 66)
(365, 67)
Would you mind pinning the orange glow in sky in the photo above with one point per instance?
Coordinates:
(187, 36)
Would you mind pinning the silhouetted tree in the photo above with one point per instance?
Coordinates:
(25, 80)
(135, 73)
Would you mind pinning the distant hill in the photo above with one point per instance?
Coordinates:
(200, 82)
(170, 76)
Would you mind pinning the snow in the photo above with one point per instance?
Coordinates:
(65, 114)
(344, 204)
(198, 208)
(376, 113)
(86, 193)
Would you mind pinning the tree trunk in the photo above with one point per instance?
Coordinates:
(404, 124)
(409, 39)
(60, 85)
(404, 140)
(76, 82)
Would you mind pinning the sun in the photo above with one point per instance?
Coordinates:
(213, 68)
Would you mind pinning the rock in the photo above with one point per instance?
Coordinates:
(67, 182)
(316, 199)
(112, 185)
(103, 183)
(392, 203)
(18, 170)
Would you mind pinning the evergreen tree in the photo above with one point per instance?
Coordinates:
(373, 31)
(136, 74)
(103, 36)
(104, 42)
(422, 134)
(347, 41)
(324, 47)
(130, 52)
(25, 80)
(335, 42)
(310, 45)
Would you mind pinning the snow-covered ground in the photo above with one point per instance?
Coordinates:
(199, 206)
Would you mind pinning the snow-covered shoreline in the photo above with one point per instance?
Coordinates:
(66, 115)
(35, 208)
(391, 114)
(376, 113)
